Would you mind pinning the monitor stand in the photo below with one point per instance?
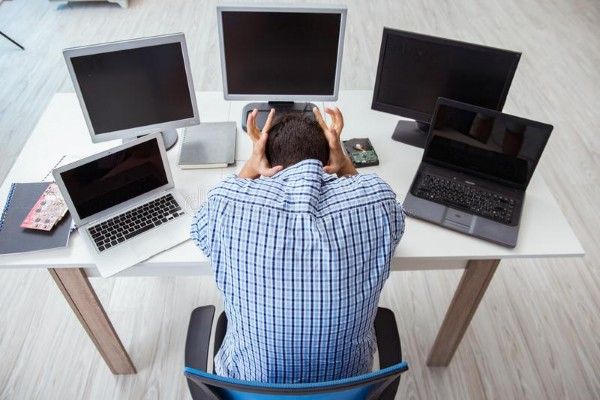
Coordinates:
(169, 137)
(413, 133)
(280, 108)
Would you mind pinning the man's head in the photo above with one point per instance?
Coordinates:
(294, 138)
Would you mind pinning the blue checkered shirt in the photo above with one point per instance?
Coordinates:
(301, 259)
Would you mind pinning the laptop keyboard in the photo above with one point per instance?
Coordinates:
(133, 222)
(466, 197)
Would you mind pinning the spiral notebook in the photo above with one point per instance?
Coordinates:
(13, 238)
(208, 145)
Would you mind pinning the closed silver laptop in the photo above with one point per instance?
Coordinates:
(475, 168)
(124, 204)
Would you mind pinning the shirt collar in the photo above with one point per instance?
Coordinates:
(302, 169)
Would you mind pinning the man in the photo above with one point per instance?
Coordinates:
(300, 255)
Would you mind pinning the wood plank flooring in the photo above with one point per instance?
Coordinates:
(536, 334)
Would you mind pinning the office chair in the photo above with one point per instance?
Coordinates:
(376, 385)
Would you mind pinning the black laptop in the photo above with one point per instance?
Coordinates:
(476, 166)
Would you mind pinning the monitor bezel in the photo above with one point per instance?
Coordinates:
(128, 45)
(57, 173)
(321, 9)
(378, 105)
(442, 101)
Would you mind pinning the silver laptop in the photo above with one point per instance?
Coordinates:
(475, 168)
(124, 203)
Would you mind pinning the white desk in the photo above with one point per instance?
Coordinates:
(62, 131)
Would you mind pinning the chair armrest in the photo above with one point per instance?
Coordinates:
(388, 339)
(388, 346)
(198, 337)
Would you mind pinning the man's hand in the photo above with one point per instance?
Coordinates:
(258, 164)
(338, 162)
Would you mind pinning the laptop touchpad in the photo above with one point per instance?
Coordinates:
(458, 219)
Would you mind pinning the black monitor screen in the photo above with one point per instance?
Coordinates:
(497, 146)
(134, 88)
(115, 178)
(414, 70)
(281, 53)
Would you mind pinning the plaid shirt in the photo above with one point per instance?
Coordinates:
(301, 259)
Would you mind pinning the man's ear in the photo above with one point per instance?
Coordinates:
(268, 148)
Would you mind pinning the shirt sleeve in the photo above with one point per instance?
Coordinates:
(200, 231)
(206, 224)
(397, 221)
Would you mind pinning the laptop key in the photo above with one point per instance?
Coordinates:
(138, 231)
(471, 199)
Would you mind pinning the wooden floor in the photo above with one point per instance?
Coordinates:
(536, 334)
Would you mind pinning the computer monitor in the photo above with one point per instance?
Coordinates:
(134, 87)
(281, 55)
(414, 70)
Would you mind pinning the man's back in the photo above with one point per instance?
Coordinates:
(301, 259)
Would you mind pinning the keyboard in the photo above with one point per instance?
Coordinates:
(135, 221)
(466, 197)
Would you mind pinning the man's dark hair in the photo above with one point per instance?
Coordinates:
(295, 137)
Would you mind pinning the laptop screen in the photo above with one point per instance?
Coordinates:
(492, 145)
(115, 178)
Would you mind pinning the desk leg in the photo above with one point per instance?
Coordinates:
(472, 286)
(75, 286)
